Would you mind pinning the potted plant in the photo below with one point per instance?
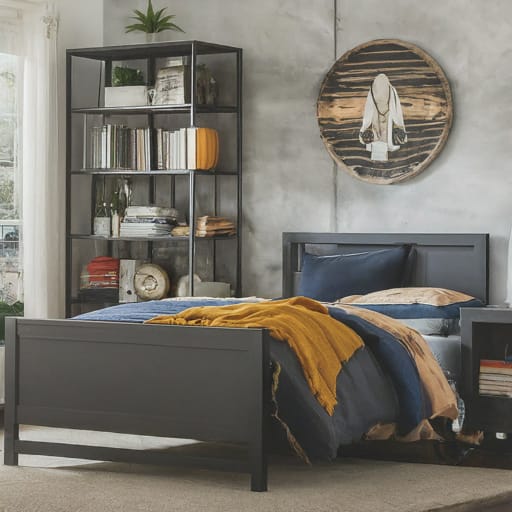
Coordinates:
(128, 88)
(151, 22)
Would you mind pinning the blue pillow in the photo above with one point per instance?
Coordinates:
(328, 278)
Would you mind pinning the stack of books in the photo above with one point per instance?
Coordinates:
(495, 378)
(118, 147)
(187, 148)
(99, 280)
(208, 226)
(147, 221)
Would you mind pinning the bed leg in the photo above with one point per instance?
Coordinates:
(259, 473)
(11, 393)
(262, 397)
(10, 437)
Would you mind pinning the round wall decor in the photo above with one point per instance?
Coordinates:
(385, 111)
(151, 282)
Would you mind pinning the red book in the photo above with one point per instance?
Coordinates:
(494, 363)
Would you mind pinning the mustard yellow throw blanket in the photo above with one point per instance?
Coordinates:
(320, 342)
(440, 394)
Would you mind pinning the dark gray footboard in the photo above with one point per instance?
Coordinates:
(210, 384)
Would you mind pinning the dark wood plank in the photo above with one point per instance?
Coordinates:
(449, 260)
(423, 91)
(129, 455)
(205, 383)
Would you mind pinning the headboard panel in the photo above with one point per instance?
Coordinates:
(455, 261)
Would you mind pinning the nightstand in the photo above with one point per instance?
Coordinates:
(486, 335)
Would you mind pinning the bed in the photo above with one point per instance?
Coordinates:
(172, 381)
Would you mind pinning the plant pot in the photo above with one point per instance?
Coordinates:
(151, 37)
(126, 96)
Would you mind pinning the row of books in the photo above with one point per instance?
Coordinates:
(187, 148)
(495, 378)
(114, 146)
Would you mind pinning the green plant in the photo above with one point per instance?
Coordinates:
(126, 76)
(152, 21)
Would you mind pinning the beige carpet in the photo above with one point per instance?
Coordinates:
(348, 485)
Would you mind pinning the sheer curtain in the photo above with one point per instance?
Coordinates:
(35, 39)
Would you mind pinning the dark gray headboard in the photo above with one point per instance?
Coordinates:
(455, 261)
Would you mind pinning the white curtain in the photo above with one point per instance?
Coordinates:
(43, 187)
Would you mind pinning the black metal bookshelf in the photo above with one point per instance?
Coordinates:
(150, 53)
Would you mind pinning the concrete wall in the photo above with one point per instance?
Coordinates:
(288, 47)
(290, 182)
(468, 188)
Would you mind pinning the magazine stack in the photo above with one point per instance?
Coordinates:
(148, 221)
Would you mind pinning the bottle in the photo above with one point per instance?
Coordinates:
(458, 422)
(116, 224)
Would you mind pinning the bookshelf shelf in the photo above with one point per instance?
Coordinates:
(156, 109)
(486, 343)
(142, 51)
(156, 239)
(154, 172)
(91, 153)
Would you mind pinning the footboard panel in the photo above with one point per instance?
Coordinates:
(204, 383)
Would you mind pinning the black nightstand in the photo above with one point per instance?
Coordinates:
(486, 334)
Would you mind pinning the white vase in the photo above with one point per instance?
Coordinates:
(151, 37)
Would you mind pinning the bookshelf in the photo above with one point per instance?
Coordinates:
(215, 192)
(486, 340)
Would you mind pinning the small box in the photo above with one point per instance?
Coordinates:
(126, 96)
(127, 269)
(212, 289)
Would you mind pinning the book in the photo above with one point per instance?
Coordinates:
(191, 148)
(159, 153)
(495, 385)
(495, 363)
(495, 377)
(208, 226)
(507, 394)
(182, 136)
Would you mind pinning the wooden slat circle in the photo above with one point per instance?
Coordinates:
(424, 95)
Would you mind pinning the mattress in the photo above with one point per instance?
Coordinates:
(447, 351)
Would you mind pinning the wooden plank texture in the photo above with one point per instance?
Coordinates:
(425, 97)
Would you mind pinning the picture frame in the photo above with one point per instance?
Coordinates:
(385, 111)
(172, 85)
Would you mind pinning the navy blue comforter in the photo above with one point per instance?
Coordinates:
(379, 384)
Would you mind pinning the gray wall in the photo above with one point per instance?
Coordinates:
(288, 47)
(468, 188)
(290, 183)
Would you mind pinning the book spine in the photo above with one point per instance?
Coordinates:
(133, 149)
(183, 148)
(494, 363)
(147, 147)
(191, 148)
(159, 153)
(103, 147)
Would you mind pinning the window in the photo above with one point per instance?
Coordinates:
(10, 180)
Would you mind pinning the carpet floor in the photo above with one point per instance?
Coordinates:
(346, 485)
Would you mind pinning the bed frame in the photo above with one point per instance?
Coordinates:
(204, 383)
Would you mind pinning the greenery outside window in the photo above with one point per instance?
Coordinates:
(11, 289)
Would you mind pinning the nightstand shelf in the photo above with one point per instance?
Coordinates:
(486, 334)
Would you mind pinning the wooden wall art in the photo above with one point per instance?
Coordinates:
(385, 111)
